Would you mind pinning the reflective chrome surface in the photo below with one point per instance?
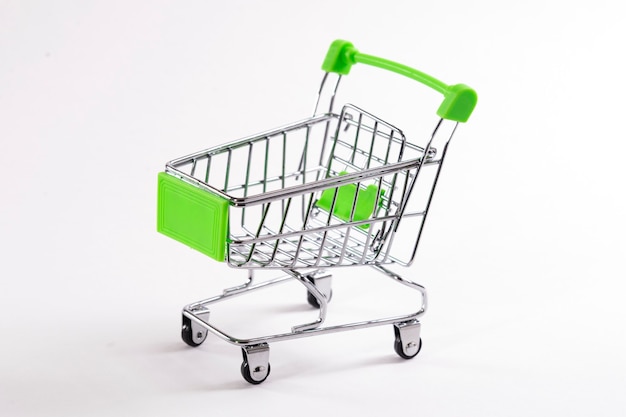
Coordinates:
(273, 182)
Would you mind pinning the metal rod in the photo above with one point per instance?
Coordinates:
(314, 328)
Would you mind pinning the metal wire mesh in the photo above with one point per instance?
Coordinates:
(275, 181)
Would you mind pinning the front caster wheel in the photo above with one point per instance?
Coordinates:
(191, 333)
(249, 376)
(256, 366)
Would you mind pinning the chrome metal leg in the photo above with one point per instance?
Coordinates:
(320, 297)
(242, 287)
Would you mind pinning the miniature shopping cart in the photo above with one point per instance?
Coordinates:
(334, 190)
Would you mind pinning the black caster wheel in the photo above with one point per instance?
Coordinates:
(313, 301)
(407, 348)
(247, 374)
(191, 334)
(397, 346)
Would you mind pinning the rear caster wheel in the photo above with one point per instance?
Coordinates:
(322, 282)
(313, 301)
(398, 347)
(408, 342)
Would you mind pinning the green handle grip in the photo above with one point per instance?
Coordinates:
(459, 100)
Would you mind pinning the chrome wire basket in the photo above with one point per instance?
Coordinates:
(333, 190)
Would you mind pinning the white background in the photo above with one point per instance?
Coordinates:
(522, 254)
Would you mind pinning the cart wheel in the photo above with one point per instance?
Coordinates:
(256, 363)
(191, 334)
(313, 301)
(247, 375)
(408, 342)
(397, 346)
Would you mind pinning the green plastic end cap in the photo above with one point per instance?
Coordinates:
(340, 57)
(458, 103)
(192, 216)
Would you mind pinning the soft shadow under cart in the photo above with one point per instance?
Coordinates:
(338, 189)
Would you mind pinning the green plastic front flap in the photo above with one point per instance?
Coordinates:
(192, 216)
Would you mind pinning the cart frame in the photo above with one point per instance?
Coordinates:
(378, 183)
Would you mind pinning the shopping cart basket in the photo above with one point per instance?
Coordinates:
(333, 190)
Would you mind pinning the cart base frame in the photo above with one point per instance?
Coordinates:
(255, 367)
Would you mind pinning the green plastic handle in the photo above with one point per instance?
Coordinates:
(459, 100)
